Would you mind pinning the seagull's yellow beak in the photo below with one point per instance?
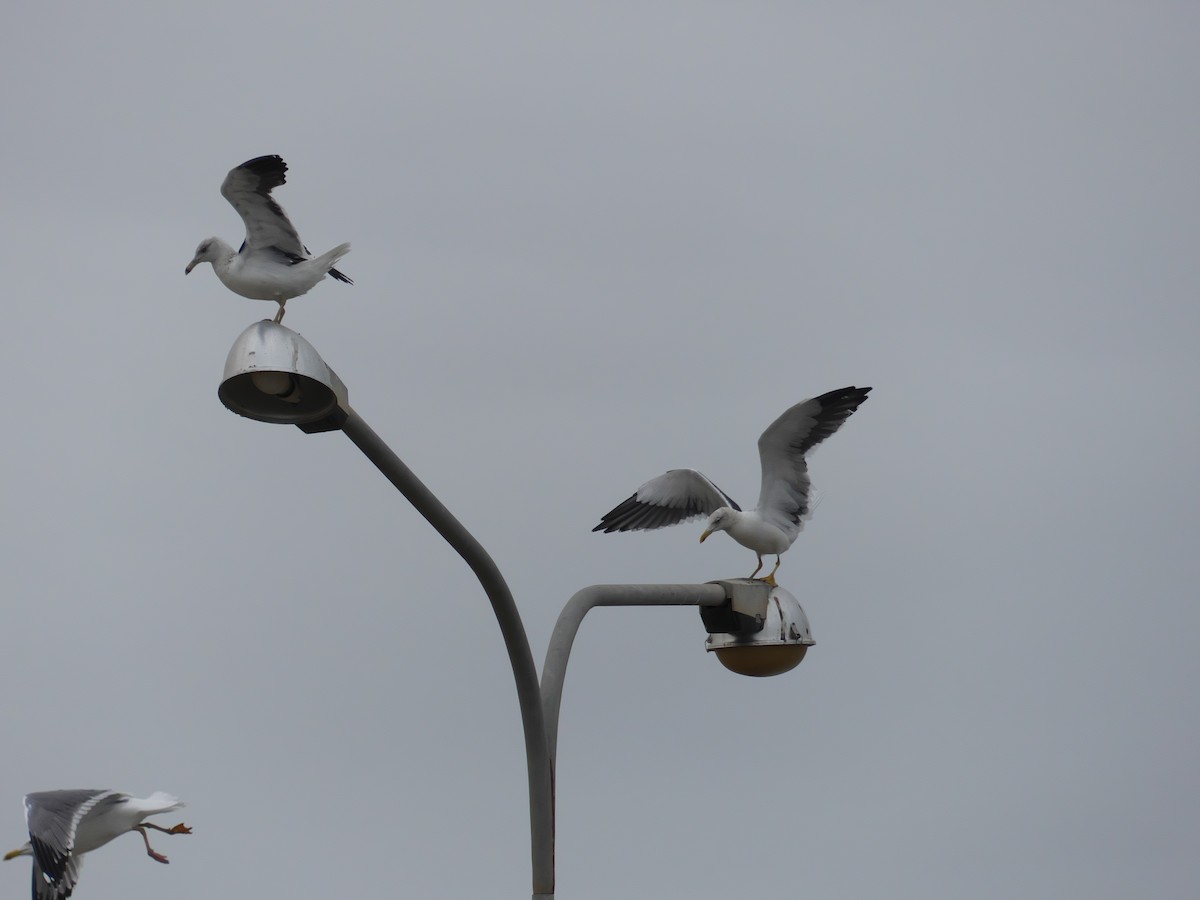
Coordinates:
(707, 532)
(13, 854)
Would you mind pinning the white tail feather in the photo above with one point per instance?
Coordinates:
(161, 802)
(329, 258)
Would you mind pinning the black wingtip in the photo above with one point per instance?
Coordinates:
(263, 164)
(846, 398)
(630, 515)
(834, 408)
(334, 273)
(272, 169)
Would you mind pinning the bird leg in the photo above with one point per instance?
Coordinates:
(770, 579)
(279, 315)
(175, 829)
(758, 567)
(157, 857)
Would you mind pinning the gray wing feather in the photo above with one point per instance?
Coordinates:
(45, 888)
(671, 498)
(784, 498)
(53, 818)
(248, 189)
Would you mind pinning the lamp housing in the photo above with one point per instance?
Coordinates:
(760, 630)
(272, 374)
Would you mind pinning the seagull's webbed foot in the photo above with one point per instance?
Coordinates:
(150, 851)
(770, 579)
(757, 568)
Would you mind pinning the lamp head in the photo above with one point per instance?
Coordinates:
(272, 374)
(761, 629)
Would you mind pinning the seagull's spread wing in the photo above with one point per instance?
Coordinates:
(783, 500)
(45, 888)
(248, 188)
(669, 499)
(53, 818)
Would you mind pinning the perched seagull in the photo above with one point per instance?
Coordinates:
(272, 263)
(64, 825)
(683, 494)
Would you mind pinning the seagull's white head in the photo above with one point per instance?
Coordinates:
(721, 520)
(209, 251)
(27, 850)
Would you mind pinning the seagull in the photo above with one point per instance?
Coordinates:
(64, 825)
(683, 494)
(272, 264)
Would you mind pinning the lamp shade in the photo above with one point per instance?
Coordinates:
(272, 374)
(771, 642)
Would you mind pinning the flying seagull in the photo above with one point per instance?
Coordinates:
(272, 264)
(64, 825)
(683, 494)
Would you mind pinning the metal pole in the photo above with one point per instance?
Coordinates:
(554, 671)
(537, 753)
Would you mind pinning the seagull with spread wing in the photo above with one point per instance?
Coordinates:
(273, 263)
(64, 825)
(783, 502)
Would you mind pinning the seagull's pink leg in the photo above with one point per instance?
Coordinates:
(157, 857)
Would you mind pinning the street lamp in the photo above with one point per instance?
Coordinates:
(272, 374)
(761, 631)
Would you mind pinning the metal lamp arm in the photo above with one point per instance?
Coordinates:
(554, 671)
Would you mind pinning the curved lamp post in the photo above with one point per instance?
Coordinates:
(272, 374)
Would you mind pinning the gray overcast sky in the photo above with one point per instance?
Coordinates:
(593, 242)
